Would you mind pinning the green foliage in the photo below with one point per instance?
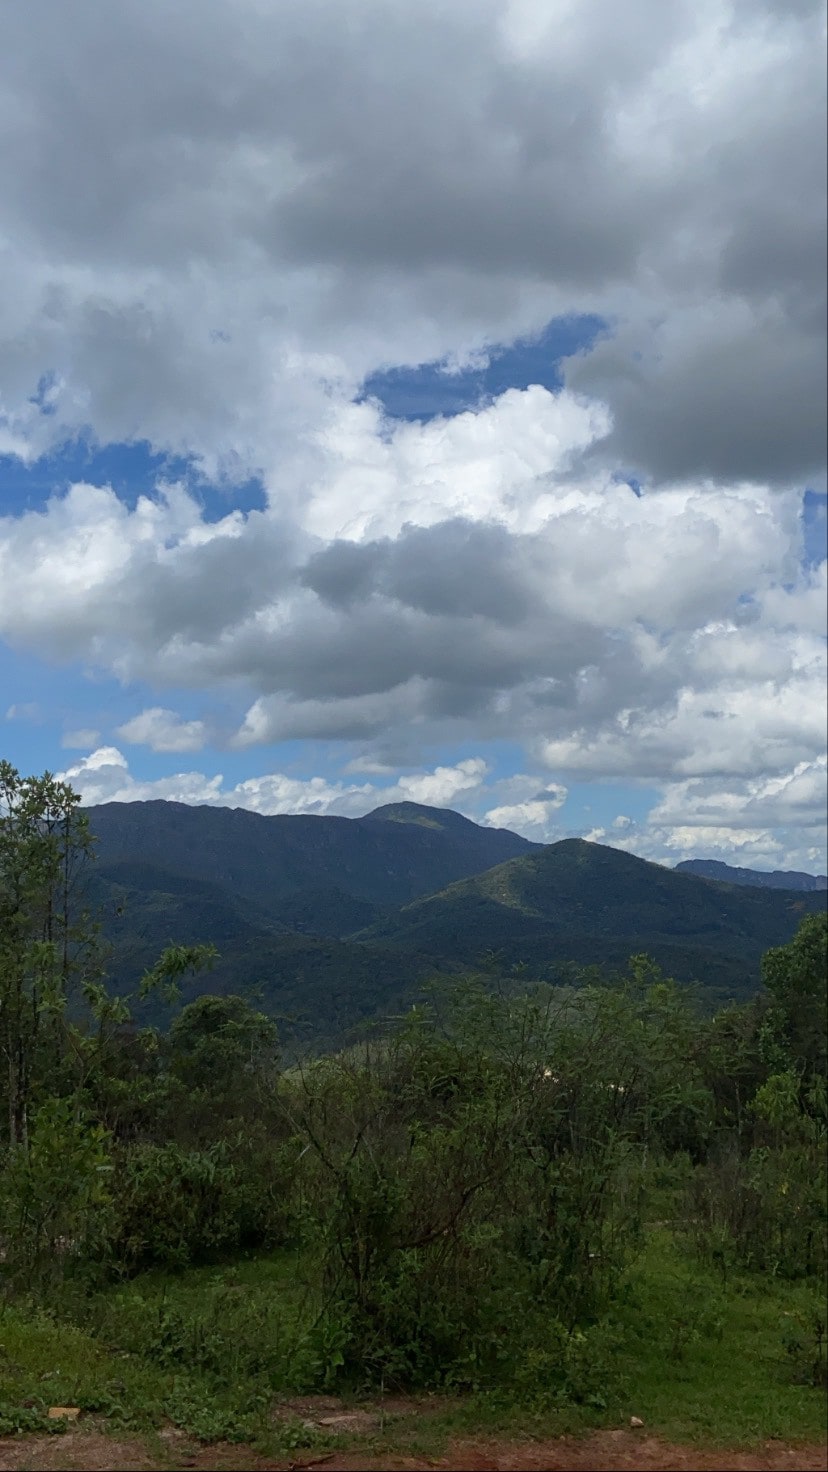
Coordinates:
(177, 1206)
(249, 884)
(796, 976)
(173, 965)
(766, 1209)
(16, 1419)
(221, 1044)
(805, 1337)
(55, 1197)
(582, 903)
(463, 1201)
(46, 947)
(704, 1360)
(479, 1175)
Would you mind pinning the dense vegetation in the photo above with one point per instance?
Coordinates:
(304, 910)
(496, 1193)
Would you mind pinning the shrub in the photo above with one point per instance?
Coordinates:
(177, 1206)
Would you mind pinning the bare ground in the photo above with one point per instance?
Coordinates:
(82, 1450)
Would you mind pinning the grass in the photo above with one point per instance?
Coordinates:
(709, 1363)
(210, 1349)
(47, 1363)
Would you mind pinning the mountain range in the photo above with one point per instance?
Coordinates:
(330, 921)
(755, 878)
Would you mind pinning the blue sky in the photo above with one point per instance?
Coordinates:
(353, 450)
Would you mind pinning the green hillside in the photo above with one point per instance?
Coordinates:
(319, 986)
(587, 903)
(304, 914)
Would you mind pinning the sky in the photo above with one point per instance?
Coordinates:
(421, 403)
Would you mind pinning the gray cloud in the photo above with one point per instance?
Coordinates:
(196, 205)
(460, 569)
(743, 399)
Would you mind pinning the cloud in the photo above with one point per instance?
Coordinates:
(444, 785)
(256, 210)
(163, 730)
(561, 612)
(756, 821)
(104, 776)
(769, 823)
(534, 816)
(80, 740)
(28, 710)
(249, 213)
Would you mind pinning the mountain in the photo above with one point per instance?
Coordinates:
(586, 903)
(327, 921)
(388, 858)
(276, 896)
(318, 987)
(754, 878)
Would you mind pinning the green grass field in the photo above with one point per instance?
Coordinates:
(210, 1351)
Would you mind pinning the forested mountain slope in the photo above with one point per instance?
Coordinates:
(330, 920)
(389, 857)
(754, 878)
(586, 902)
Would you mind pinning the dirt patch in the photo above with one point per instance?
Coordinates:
(92, 1451)
(614, 1451)
(335, 1417)
(605, 1451)
(611, 1451)
(74, 1451)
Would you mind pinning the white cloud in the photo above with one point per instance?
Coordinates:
(585, 635)
(28, 710)
(80, 739)
(770, 824)
(764, 822)
(104, 776)
(442, 787)
(596, 835)
(163, 730)
(531, 810)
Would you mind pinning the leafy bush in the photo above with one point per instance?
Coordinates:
(766, 1209)
(479, 1175)
(806, 1343)
(55, 1196)
(176, 1206)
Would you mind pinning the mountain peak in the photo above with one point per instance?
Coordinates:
(416, 812)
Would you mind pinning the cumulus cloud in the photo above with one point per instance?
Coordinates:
(534, 815)
(664, 636)
(763, 821)
(104, 776)
(163, 730)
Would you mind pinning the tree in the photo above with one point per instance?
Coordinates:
(46, 942)
(222, 1045)
(796, 975)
